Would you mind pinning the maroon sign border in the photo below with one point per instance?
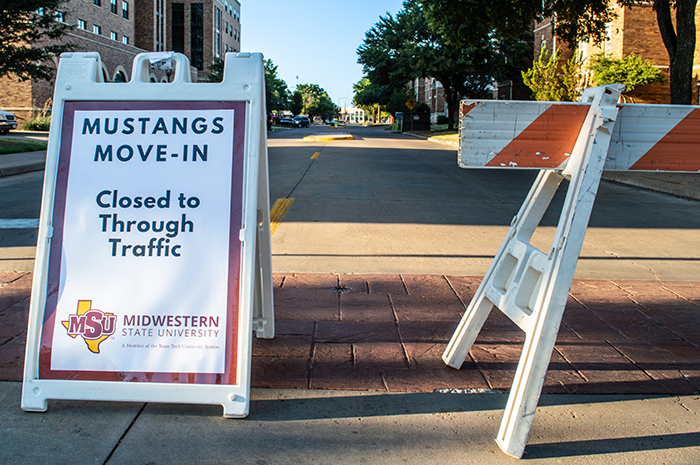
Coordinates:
(229, 376)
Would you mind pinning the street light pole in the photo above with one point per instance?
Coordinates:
(342, 98)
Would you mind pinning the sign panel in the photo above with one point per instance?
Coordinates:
(149, 201)
(411, 103)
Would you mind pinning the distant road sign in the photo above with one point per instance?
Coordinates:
(411, 104)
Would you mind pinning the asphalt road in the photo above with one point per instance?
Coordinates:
(388, 203)
(391, 203)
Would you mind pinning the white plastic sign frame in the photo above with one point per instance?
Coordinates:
(153, 259)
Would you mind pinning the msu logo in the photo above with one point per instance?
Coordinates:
(93, 325)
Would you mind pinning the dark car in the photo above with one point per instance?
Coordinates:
(286, 122)
(7, 122)
(301, 122)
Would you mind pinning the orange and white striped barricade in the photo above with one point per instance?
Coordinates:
(512, 134)
(153, 264)
(565, 140)
(577, 141)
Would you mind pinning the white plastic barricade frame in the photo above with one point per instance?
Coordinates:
(153, 261)
(527, 285)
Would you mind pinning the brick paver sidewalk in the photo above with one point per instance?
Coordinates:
(388, 332)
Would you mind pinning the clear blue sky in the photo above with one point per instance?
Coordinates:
(313, 39)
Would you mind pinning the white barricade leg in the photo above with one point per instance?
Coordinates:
(531, 287)
(264, 313)
(503, 270)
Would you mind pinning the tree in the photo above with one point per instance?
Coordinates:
(680, 45)
(549, 83)
(633, 71)
(461, 21)
(397, 101)
(297, 103)
(216, 71)
(316, 101)
(397, 50)
(276, 91)
(322, 107)
(371, 97)
(28, 33)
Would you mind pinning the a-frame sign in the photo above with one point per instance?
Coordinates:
(153, 262)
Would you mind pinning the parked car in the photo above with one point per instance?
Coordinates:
(7, 122)
(286, 122)
(301, 122)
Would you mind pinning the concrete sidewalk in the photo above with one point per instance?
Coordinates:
(363, 354)
(354, 375)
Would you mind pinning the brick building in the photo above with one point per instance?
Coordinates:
(430, 92)
(120, 29)
(634, 31)
(203, 31)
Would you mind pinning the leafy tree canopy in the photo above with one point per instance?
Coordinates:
(28, 30)
(462, 22)
(276, 91)
(398, 50)
(633, 71)
(316, 101)
(216, 71)
(296, 104)
(397, 101)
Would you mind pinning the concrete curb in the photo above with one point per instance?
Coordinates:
(20, 169)
(432, 139)
(18, 163)
(683, 185)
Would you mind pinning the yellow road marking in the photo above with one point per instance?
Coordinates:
(278, 212)
(329, 137)
(315, 155)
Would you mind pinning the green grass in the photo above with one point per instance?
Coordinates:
(18, 146)
(449, 137)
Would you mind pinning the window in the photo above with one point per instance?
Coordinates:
(113, 35)
(81, 24)
(125, 40)
(113, 6)
(125, 10)
(178, 27)
(217, 44)
(60, 17)
(96, 2)
(197, 35)
(96, 29)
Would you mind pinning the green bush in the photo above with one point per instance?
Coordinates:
(550, 83)
(42, 123)
(633, 71)
(422, 108)
(442, 119)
